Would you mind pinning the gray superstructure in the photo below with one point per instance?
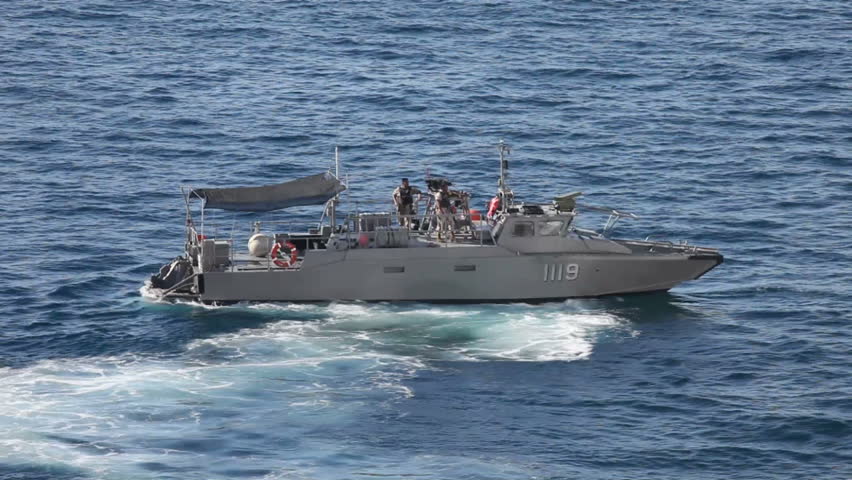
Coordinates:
(525, 252)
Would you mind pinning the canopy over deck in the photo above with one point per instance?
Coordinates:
(313, 190)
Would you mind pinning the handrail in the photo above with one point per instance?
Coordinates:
(608, 210)
(685, 247)
(586, 231)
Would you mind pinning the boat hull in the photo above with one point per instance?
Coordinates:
(482, 274)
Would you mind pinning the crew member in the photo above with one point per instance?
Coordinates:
(494, 206)
(444, 210)
(403, 199)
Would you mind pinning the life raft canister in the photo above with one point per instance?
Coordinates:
(284, 261)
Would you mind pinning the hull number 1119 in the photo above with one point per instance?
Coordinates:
(557, 272)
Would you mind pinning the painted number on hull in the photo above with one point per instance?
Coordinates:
(557, 272)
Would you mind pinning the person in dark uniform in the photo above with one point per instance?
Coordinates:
(403, 199)
(444, 210)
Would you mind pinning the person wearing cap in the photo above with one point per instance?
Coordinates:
(403, 199)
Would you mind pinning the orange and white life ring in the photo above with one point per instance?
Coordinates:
(284, 261)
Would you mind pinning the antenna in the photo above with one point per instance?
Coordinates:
(505, 150)
(334, 201)
(502, 187)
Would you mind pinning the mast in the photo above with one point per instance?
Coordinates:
(332, 214)
(502, 186)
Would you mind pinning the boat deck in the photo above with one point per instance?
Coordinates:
(244, 261)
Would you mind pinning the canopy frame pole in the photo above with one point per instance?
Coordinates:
(203, 204)
(325, 211)
(189, 226)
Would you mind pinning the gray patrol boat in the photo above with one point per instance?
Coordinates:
(519, 252)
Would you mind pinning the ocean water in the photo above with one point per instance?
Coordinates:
(728, 124)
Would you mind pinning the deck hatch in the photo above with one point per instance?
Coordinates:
(465, 268)
(394, 269)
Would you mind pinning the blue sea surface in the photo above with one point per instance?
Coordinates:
(726, 123)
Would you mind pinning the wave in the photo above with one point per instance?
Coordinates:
(313, 363)
(518, 332)
(65, 13)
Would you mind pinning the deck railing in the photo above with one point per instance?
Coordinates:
(360, 229)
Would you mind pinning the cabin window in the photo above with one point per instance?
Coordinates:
(465, 268)
(394, 269)
(550, 228)
(523, 229)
